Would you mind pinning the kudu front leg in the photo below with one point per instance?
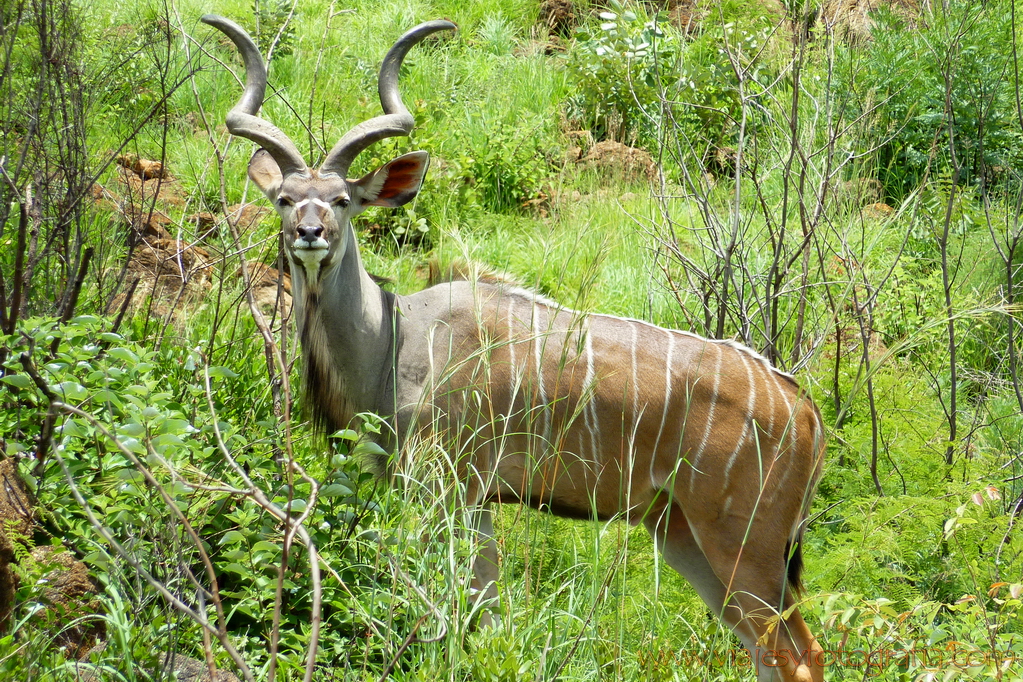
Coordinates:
(483, 586)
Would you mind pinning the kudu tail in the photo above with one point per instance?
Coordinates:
(794, 546)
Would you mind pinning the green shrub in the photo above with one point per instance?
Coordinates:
(617, 68)
(507, 166)
(899, 82)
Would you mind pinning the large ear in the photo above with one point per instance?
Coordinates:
(395, 183)
(265, 172)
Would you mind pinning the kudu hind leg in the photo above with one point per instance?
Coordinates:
(679, 549)
(750, 564)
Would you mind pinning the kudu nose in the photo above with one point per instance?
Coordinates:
(310, 233)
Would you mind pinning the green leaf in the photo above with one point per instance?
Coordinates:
(71, 429)
(71, 390)
(176, 426)
(334, 490)
(17, 380)
(133, 429)
(232, 537)
(124, 355)
(222, 372)
(346, 434)
(369, 448)
(264, 546)
(105, 395)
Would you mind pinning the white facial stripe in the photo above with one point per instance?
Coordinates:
(315, 202)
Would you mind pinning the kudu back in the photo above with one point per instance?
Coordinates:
(587, 416)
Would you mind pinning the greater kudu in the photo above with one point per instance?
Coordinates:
(587, 416)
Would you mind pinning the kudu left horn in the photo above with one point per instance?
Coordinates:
(588, 416)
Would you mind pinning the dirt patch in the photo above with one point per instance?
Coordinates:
(15, 530)
(559, 16)
(172, 273)
(877, 211)
(684, 15)
(722, 162)
(244, 216)
(69, 594)
(142, 192)
(67, 591)
(580, 143)
(265, 287)
(142, 218)
(850, 19)
(620, 162)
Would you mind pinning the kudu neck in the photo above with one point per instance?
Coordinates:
(347, 324)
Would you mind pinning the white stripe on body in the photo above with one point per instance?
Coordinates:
(750, 400)
(589, 394)
(710, 422)
(667, 391)
(538, 345)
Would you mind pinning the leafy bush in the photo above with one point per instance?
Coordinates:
(939, 89)
(275, 27)
(618, 67)
(507, 165)
(147, 481)
(707, 100)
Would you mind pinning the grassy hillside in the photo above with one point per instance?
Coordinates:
(843, 199)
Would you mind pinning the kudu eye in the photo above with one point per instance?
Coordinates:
(284, 201)
(342, 202)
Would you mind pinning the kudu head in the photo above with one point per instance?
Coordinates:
(317, 205)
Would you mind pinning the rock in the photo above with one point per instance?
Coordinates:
(860, 191)
(144, 168)
(247, 216)
(580, 139)
(722, 162)
(193, 670)
(264, 281)
(244, 216)
(184, 668)
(204, 221)
(139, 190)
